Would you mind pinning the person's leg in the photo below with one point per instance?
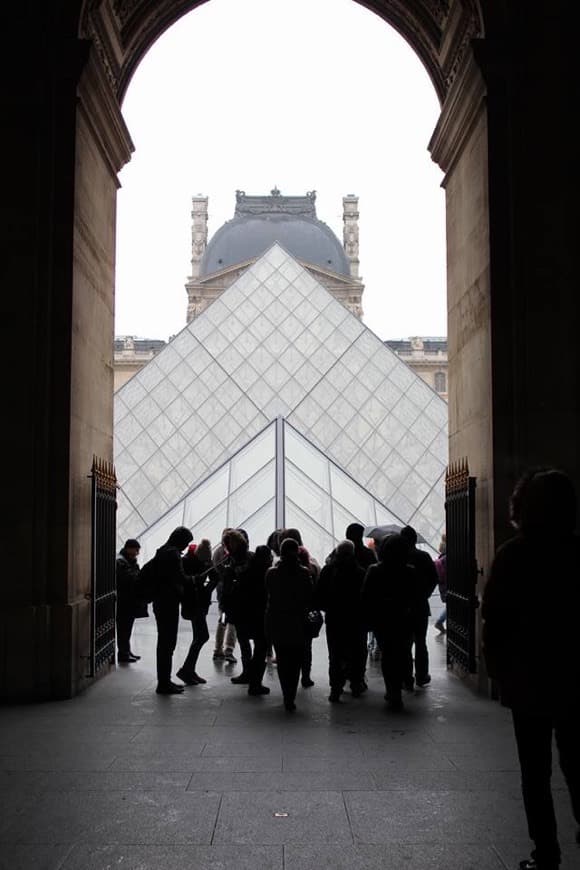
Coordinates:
(167, 618)
(335, 661)
(125, 622)
(534, 742)
(230, 638)
(357, 653)
(200, 637)
(306, 664)
(567, 731)
(258, 663)
(246, 653)
(421, 654)
(220, 630)
(441, 620)
(289, 660)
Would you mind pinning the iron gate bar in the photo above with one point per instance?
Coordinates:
(103, 565)
(461, 600)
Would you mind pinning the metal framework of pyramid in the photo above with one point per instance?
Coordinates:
(277, 344)
(279, 479)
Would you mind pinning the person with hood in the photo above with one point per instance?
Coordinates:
(530, 613)
(197, 564)
(338, 594)
(128, 605)
(387, 601)
(289, 597)
(170, 583)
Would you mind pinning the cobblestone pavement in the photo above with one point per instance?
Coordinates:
(217, 780)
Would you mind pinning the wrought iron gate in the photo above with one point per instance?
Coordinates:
(103, 560)
(462, 599)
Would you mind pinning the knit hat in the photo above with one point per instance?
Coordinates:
(132, 544)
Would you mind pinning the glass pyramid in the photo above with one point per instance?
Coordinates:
(279, 479)
(278, 344)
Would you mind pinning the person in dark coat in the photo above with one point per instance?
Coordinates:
(248, 604)
(387, 602)
(234, 581)
(289, 597)
(338, 594)
(530, 611)
(197, 564)
(427, 578)
(128, 606)
(170, 583)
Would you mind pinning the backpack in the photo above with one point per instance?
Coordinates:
(146, 581)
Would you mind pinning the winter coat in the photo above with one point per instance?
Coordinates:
(289, 596)
(197, 595)
(338, 591)
(126, 574)
(441, 568)
(427, 579)
(389, 598)
(170, 578)
(244, 595)
(530, 612)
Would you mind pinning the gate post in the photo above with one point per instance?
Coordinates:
(462, 601)
(103, 565)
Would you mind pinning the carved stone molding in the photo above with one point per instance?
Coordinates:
(99, 105)
(462, 107)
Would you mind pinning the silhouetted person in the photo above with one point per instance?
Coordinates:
(233, 584)
(225, 633)
(363, 554)
(313, 569)
(289, 597)
(387, 600)
(338, 594)
(427, 579)
(170, 582)
(249, 603)
(128, 606)
(531, 607)
(197, 564)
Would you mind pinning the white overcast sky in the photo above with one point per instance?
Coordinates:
(312, 94)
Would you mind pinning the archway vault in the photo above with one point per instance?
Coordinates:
(439, 31)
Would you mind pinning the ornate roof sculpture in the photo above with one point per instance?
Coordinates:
(278, 344)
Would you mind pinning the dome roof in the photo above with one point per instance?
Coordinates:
(260, 221)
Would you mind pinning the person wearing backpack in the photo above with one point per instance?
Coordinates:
(168, 592)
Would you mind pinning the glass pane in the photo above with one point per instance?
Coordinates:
(212, 525)
(181, 376)
(184, 343)
(343, 519)
(250, 497)
(167, 359)
(260, 525)
(206, 496)
(158, 534)
(304, 492)
(157, 467)
(352, 497)
(147, 409)
(253, 457)
(127, 430)
(306, 457)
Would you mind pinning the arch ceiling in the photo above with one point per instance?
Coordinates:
(439, 31)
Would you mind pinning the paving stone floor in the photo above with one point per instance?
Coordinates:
(215, 780)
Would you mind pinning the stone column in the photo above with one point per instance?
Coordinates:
(69, 143)
(199, 220)
(350, 234)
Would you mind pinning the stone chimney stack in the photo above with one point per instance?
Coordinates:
(199, 216)
(350, 217)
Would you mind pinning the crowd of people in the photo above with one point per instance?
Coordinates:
(271, 602)
(267, 598)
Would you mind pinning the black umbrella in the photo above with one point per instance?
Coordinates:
(377, 533)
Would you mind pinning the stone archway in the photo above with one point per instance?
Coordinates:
(494, 70)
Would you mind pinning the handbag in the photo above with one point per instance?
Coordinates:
(314, 622)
